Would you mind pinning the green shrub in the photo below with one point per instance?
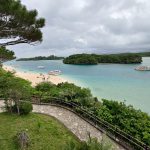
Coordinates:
(24, 108)
(44, 86)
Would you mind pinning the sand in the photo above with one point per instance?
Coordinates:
(35, 78)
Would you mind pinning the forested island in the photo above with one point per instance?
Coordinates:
(143, 54)
(51, 57)
(92, 59)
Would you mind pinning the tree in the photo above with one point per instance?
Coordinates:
(18, 24)
(14, 89)
(6, 54)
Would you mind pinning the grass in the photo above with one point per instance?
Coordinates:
(45, 132)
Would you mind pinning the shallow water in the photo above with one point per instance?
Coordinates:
(112, 81)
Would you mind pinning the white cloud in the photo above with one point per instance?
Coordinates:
(92, 25)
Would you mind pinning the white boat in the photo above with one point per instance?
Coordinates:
(55, 72)
(143, 68)
(41, 67)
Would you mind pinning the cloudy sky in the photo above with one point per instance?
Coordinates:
(97, 26)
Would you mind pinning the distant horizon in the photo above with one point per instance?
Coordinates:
(84, 53)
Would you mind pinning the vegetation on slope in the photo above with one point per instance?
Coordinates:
(132, 121)
(44, 132)
(41, 131)
(89, 59)
(126, 118)
(91, 144)
(13, 89)
(51, 57)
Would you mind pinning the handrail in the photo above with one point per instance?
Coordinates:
(121, 137)
(113, 132)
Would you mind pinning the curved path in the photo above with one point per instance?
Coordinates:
(73, 122)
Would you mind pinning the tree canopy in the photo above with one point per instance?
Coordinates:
(51, 57)
(92, 59)
(6, 54)
(13, 89)
(18, 24)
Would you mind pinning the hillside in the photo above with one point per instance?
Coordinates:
(44, 132)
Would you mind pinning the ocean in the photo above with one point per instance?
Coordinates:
(119, 82)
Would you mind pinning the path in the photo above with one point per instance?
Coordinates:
(73, 122)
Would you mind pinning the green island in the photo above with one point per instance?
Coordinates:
(51, 57)
(92, 59)
(143, 54)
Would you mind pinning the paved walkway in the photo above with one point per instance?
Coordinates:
(1, 106)
(73, 122)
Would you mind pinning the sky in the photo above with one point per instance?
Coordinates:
(90, 26)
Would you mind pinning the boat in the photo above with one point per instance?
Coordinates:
(55, 72)
(41, 67)
(143, 68)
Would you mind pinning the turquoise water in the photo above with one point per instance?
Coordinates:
(112, 81)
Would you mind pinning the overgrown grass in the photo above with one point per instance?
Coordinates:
(45, 132)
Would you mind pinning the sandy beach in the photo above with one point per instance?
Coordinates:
(35, 78)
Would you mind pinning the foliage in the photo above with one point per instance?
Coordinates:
(14, 89)
(44, 86)
(85, 59)
(128, 119)
(51, 57)
(52, 134)
(95, 59)
(67, 91)
(24, 108)
(132, 121)
(91, 144)
(104, 144)
(70, 145)
(6, 54)
(45, 90)
(143, 54)
(19, 24)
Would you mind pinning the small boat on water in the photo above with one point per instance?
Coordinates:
(55, 72)
(143, 68)
(40, 67)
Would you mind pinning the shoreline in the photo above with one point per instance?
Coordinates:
(35, 78)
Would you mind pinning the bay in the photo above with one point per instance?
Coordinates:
(119, 82)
